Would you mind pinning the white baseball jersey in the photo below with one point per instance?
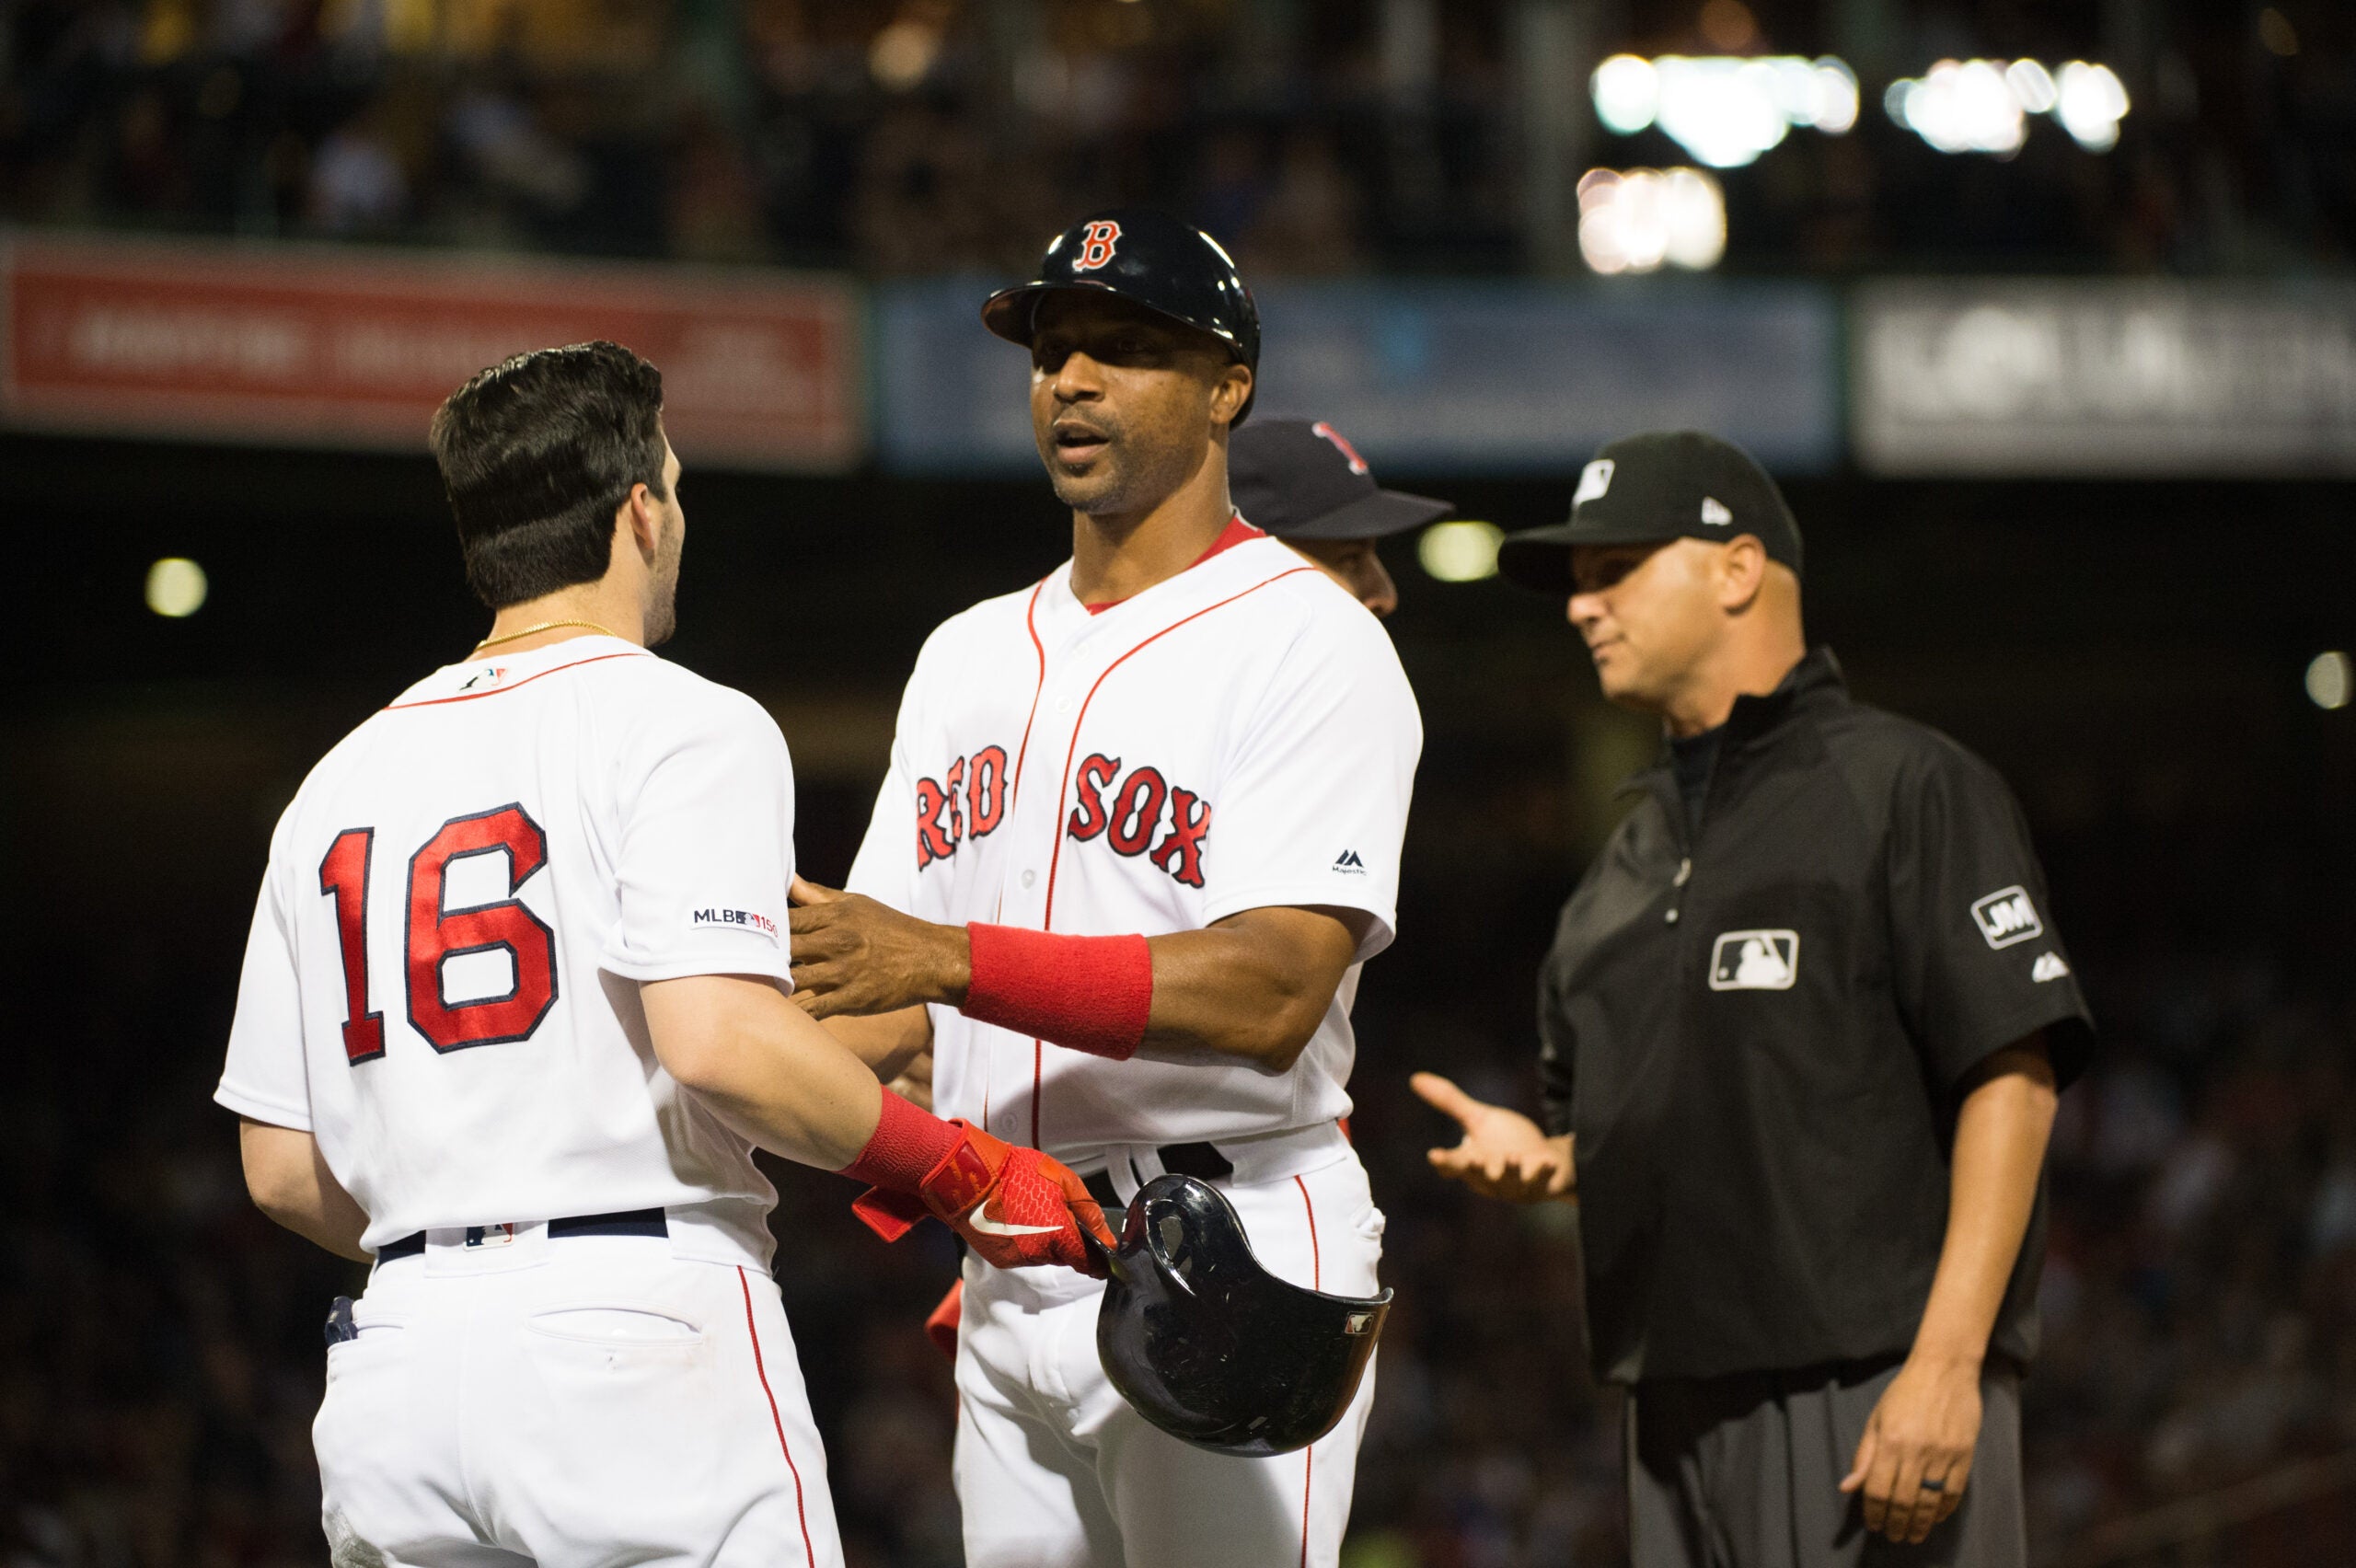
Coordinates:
(429, 987)
(1236, 737)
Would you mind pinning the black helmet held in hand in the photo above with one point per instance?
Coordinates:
(1150, 258)
(1212, 1348)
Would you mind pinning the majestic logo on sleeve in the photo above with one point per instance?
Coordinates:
(967, 801)
(1096, 246)
(1143, 815)
(2006, 916)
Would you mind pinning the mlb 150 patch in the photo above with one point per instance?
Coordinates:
(2006, 916)
(1755, 960)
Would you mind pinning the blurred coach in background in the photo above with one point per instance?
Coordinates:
(1801, 1031)
(1300, 480)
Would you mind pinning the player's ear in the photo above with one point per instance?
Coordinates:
(1231, 392)
(642, 515)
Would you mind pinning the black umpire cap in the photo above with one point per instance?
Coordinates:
(1169, 267)
(1299, 479)
(1679, 484)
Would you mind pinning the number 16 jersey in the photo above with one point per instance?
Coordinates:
(439, 984)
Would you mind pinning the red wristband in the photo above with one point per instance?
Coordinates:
(907, 1144)
(1089, 993)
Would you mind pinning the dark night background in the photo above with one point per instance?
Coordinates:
(2129, 652)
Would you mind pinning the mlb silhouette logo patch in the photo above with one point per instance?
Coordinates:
(2006, 916)
(1755, 960)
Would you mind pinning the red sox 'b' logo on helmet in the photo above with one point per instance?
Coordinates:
(1096, 246)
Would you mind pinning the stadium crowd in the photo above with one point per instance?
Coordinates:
(935, 135)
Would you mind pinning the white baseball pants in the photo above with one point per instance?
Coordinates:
(1055, 1470)
(572, 1403)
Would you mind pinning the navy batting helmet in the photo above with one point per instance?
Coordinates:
(1167, 266)
(1211, 1347)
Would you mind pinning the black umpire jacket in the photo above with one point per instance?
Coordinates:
(1758, 1031)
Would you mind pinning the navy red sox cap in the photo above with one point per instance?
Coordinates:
(1169, 267)
(1299, 479)
(1651, 489)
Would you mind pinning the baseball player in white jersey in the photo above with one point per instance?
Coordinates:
(1142, 826)
(512, 1017)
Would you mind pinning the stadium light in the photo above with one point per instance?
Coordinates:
(2331, 680)
(1724, 110)
(1638, 220)
(1981, 106)
(1460, 552)
(176, 587)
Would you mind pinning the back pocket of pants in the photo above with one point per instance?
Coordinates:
(618, 1326)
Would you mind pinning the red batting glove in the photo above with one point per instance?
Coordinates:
(941, 1327)
(1016, 1207)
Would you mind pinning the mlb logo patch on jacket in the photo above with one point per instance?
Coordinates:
(1755, 960)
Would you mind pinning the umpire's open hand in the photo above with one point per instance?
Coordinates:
(854, 955)
(1915, 1458)
(1504, 1154)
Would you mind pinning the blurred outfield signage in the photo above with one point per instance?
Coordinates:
(282, 344)
(2103, 377)
(1429, 378)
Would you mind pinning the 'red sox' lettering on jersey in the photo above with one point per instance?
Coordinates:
(1141, 804)
(1211, 746)
(967, 801)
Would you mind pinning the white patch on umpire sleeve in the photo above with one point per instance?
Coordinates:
(1594, 480)
(2006, 916)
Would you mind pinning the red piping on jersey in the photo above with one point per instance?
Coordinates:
(1055, 857)
(1031, 625)
(1014, 789)
(1316, 1282)
(1236, 532)
(800, 1510)
(501, 691)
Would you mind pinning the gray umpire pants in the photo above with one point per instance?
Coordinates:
(1744, 1471)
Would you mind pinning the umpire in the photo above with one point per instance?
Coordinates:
(1801, 1031)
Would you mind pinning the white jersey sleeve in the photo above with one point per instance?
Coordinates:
(1314, 810)
(885, 868)
(707, 846)
(267, 1078)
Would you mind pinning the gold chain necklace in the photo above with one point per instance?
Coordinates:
(536, 631)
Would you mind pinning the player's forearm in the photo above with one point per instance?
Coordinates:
(2000, 1140)
(764, 1067)
(888, 1042)
(1255, 985)
(289, 1181)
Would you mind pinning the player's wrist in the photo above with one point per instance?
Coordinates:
(907, 1145)
(1091, 993)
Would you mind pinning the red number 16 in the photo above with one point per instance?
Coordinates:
(435, 935)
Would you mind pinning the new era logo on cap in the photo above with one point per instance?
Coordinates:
(1594, 480)
(2006, 916)
(1714, 512)
(2048, 966)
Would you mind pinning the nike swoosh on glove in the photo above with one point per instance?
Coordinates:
(1016, 1207)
